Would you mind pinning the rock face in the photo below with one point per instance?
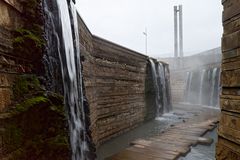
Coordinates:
(5, 90)
(35, 126)
(229, 144)
(9, 20)
(117, 83)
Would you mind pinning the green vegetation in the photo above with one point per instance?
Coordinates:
(30, 103)
(59, 140)
(28, 35)
(37, 128)
(58, 109)
(27, 42)
(24, 84)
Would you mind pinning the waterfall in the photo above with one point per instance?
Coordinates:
(63, 54)
(186, 85)
(161, 79)
(161, 72)
(189, 86)
(213, 82)
(208, 89)
(156, 86)
(201, 85)
(168, 88)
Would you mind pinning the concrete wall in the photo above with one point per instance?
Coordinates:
(114, 78)
(228, 146)
(204, 60)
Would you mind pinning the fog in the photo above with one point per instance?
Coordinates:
(124, 21)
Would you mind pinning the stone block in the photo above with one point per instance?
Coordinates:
(227, 150)
(231, 9)
(228, 104)
(232, 25)
(229, 126)
(10, 16)
(232, 54)
(231, 41)
(230, 78)
(231, 64)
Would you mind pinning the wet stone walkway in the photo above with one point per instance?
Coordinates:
(176, 141)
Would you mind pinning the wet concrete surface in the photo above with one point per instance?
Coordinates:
(180, 114)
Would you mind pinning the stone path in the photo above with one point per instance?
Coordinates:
(176, 141)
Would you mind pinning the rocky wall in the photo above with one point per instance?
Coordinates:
(6, 81)
(10, 20)
(115, 80)
(228, 146)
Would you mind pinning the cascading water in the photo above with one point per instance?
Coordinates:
(213, 82)
(161, 80)
(161, 73)
(168, 88)
(63, 52)
(188, 86)
(208, 89)
(156, 86)
(201, 85)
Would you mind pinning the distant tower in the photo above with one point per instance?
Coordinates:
(175, 31)
(181, 31)
(178, 38)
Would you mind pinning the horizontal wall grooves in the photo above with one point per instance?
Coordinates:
(5, 41)
(114, 79)
(228, 146)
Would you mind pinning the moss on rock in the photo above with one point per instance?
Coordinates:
(24, 84)
(23, 107)
(37, 129)
(28, 41)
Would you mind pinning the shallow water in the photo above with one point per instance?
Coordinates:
(146, 130)
(202, 152)
(180, 114)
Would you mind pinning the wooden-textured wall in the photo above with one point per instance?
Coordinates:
(114, 78)
(228, 146)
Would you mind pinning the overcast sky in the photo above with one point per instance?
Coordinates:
(123, 22)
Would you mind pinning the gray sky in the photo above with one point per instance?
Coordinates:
(123, 22)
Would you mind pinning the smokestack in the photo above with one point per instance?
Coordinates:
(175, 32)
(178, 37)
(180, 31)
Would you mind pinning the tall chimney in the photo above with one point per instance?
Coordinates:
(180, 31)
(175, 32)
